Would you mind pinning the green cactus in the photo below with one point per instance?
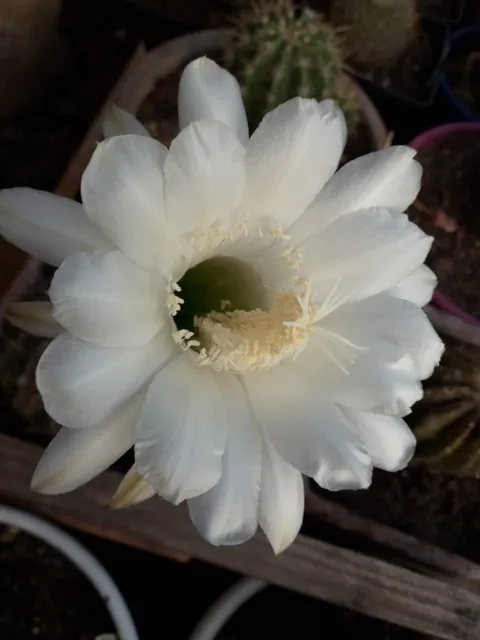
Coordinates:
(446, 422)
(280, 52)
(376, 33)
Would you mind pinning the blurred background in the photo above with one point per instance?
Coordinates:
(398, 69)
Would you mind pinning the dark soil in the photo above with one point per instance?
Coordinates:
(159, 112)
(448, 209)
(447, 10)
(463, 74)
(43, 596)
(275, 613)
(359, 143)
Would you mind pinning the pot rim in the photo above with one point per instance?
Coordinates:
(172, 54)
(81, 558)
(424, 141)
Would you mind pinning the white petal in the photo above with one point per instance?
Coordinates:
(181, 432)
(399, 322)
(208, 92)
(363, 254)
(417, 287)
(118, 122)
(82, 384)
(281, 499)
(388, 439)
(75, 456)
(204, 175)
(291, 155)
(410, 329)
(34, 317)
(46, 226)
(228, 513)
(306, 429)
(122, 191)
(132, 490)
(381, 379)
(389, 178)
(106, 299)
(378, 386)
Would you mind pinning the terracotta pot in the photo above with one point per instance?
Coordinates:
(424, 141)
(176, 53)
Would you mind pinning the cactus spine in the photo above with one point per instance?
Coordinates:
(376, 33)
(280, 52)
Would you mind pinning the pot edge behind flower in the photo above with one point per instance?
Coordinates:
(173, 54)
(423, 141)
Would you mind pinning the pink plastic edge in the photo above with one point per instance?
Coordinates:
(423, 141)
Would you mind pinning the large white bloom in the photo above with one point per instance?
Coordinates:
(233, 308)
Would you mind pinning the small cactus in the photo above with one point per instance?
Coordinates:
(376, 33)
(280, 52)
(446, 422)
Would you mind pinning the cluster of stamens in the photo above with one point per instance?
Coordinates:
(242, 341)
(174, 302)
(239, 340)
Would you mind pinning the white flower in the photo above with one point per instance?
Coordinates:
(233, 308)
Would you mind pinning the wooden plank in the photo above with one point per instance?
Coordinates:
(309, 566)
(392, 544)
(15, 488)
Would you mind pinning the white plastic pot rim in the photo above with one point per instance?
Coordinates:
(223, 609)
(82, 559)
